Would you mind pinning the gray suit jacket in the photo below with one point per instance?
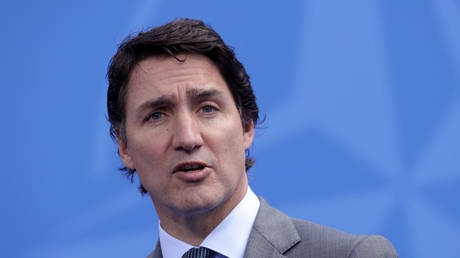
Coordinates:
(276, 235)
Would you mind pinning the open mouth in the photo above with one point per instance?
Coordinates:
(189, 167)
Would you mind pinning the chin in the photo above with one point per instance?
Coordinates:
(195, 207)
(195, 203)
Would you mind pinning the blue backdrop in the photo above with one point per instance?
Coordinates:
(362, 131)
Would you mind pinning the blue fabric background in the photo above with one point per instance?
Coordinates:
(362, 131)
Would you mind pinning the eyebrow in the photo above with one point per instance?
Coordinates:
(198, 94)
(168, 100)
(163, 100)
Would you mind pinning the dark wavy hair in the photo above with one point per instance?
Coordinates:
(180, 36)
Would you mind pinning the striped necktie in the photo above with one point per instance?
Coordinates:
(201, 252)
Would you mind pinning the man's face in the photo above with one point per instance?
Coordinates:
(184, 135)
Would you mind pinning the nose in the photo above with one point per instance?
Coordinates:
(187, 133)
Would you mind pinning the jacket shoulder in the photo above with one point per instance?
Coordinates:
(373, 246)
(323, 241)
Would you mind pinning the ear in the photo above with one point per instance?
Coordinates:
(124, 153)
(248, 134)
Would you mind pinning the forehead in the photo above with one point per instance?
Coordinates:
(165, 75)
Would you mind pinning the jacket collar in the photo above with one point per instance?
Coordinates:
(273, 233)
(157, 252)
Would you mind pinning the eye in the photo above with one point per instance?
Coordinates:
(208, 109)
(154, 116)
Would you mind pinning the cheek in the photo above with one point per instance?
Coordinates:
(145, 151)
(230, 147)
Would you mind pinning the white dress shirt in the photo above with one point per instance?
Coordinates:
(229, 238)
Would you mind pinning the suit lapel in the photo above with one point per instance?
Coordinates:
(272, 235)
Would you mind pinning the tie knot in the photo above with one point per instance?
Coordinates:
(201, 252)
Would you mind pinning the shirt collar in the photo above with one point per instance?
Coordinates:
(228, 238)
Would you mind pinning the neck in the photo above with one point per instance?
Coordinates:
(193, 228)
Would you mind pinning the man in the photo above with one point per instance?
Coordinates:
(183, 112)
